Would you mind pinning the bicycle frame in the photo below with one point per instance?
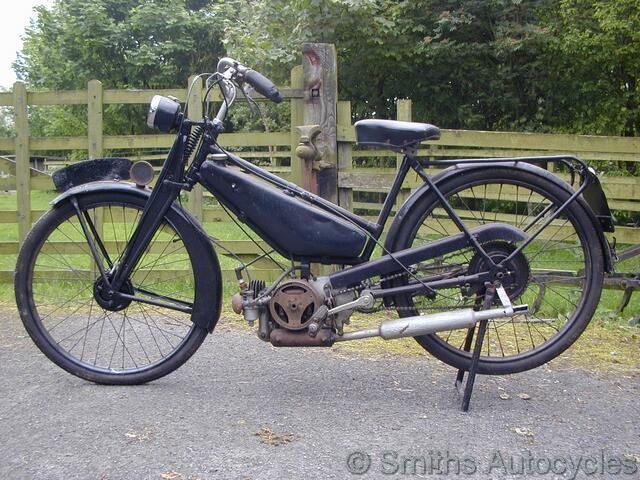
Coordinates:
(173, 179)
(477, 265)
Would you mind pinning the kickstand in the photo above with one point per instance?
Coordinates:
(475, 356)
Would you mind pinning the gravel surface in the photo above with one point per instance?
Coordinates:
(242, 409)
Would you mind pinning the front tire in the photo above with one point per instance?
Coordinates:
(55, 284)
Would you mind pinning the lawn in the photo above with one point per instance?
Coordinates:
(610, 341)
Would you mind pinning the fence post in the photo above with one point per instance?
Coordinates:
(297, 119)
(94, 133)
(23, 170)
(345, 159)
(196, 113)
(94, 118)
(319, 63)
(404, 113)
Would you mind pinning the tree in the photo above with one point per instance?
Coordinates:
(597, 64)
(532, 65)
(466, 64)
(123, 43)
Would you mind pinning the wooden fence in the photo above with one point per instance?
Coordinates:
(312, 95)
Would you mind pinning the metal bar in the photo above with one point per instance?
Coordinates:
(536, 159)
(92, 246)
(389, 263)
(389, 201)
(451, 212)
(434, 285)
(629, 253)
(94, 232)
(473, 369)
(475, 357)
(133, 298)
(164, 297)
(161, 199)
(546, 223)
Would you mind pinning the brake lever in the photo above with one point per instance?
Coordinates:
(253, 106)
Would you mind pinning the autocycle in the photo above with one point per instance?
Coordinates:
(495, 247)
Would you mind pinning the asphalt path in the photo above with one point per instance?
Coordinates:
(241, 409)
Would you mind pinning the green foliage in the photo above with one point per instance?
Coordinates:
(124, 44)
(6, 122)
(596, 49)
(524, 65)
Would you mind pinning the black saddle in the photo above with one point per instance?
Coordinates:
(394, 134)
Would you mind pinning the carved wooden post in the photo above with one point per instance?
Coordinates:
(308, 156)
(320, 102)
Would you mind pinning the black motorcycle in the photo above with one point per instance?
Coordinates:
(118, 284)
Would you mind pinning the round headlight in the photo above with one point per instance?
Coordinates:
(163, 113)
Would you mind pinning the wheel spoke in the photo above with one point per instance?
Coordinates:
(558, 254)
(125, 337)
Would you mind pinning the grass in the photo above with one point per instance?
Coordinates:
(609, 343)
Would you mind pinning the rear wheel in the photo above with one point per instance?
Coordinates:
(58, 291)
(559, 274)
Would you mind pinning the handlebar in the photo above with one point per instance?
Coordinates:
(259, 82)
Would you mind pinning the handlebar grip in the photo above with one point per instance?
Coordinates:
(263, 85)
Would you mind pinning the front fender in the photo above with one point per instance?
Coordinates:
(207, 305)
(446, 174)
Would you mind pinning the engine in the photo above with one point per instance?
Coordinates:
(294, 304)
(294, 312)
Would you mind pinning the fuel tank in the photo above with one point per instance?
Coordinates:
(294, 228)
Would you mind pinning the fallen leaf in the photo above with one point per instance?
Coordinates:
(524, 396)
(171, 475)
(269, 437)
(505, 396)
(634, 457)
(524, 431)
(141, 436)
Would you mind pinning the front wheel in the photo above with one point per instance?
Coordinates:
(58, 285)
(558, 275)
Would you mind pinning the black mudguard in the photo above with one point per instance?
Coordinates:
(594, 200)
(98, 169)
(208, 299)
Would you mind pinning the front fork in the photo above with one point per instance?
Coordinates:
(154, 211)
(170, 182)
(165, 192)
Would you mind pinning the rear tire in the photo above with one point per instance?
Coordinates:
(55, 281)
(586, 264)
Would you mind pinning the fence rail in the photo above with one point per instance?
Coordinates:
(345, 180)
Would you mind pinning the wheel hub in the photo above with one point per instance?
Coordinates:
(111, 300)
(513, 275)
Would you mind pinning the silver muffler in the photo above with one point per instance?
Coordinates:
(432, 323)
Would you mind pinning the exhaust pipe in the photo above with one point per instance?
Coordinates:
(432, 323)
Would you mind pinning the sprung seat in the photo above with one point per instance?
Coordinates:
(394, 134)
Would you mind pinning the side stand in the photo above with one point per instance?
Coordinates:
(475, 356)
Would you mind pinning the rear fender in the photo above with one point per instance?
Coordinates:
(594, 202)
(207, 306)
